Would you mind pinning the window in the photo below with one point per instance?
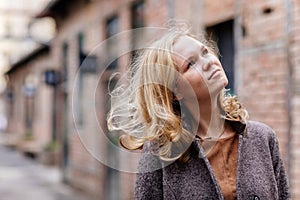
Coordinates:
(79, 100)
(137, 21)
(223, 34)
(65, 147)
(11, 100)
(112, 44)
(65, 49)
(137, 14)
(29, 91)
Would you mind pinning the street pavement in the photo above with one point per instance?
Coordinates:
(22, 178)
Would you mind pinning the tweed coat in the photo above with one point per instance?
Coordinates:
(260, 172)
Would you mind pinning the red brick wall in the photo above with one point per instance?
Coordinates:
(261, 58)
(262, 64)
(85, 171)
(267, 65)
(16, 119)
(294, 41)
(217, 11)
(41, 124)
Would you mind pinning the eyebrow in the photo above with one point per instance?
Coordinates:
(199, 47)
(194, 52)
(203, 47)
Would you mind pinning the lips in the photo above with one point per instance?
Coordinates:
(213, 73)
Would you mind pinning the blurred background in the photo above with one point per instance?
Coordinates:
(43, 46)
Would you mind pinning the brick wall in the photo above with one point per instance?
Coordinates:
(264, 66)
(262, 63)
(86, 172)
(217, 11)
(41, 120)
(16, 112)
(294, 41)
(267, 64)
(261, 58)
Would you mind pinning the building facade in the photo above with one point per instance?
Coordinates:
(259, 48)
(29, 103)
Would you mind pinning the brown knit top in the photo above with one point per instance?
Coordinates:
(223, 155)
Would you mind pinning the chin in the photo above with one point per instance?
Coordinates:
(222, 85)
(225, 84)
(225, 81)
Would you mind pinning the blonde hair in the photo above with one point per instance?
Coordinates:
(142, 106)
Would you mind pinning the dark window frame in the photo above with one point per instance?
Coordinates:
(223, 35)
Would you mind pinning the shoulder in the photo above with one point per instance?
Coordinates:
(149, 162)
(260, 135)
(260, 130)
(260, 140)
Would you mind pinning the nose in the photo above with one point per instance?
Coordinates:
(204, 65)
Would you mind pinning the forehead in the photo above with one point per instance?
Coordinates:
(184, 46)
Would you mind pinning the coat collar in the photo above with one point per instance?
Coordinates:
(238, 126)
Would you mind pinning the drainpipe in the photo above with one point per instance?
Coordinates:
(289, 17)
(237, 31)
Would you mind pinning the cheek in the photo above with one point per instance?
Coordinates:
(193, 85)
(195, 79)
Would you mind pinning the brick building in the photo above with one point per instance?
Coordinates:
(28, 100)
(258, 42)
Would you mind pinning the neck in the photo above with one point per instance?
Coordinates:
(208, 119)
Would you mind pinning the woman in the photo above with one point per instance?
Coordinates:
(196, 140)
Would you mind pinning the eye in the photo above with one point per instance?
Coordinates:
(190, 64)
(205, 52)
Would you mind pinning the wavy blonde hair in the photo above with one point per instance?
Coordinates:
(142, 106)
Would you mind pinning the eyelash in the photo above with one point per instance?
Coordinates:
(190, 64)
(205, 52)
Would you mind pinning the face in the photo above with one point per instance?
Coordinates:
(200, 67)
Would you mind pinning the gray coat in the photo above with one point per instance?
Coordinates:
(260, 172)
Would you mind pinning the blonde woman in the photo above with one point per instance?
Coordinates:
(197, 142)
